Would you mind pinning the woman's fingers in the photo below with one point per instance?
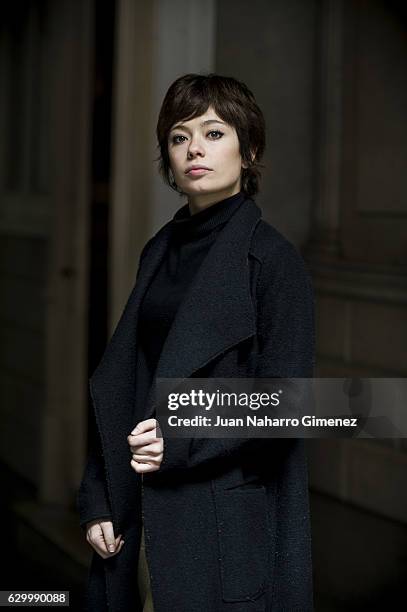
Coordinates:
(144, 433)
(141, 467)
(147, 458)
(147, 425)
(147, 454)
(142, 439)
(101, 537)
(155, 448)
(108, 536)
(146, 448)
(111, 554)
(100, 547)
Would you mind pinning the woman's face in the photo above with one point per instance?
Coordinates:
(205, 141)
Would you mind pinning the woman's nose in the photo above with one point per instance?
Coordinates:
(195, 148)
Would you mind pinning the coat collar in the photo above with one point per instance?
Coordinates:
(216, 313)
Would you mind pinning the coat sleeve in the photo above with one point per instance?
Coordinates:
(286, 341)
(92, 498)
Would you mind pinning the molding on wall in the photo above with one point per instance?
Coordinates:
(359, 281)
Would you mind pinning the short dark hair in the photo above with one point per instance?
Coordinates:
(190, 96)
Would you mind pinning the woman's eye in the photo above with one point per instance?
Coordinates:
(218, 132)
(174, 139)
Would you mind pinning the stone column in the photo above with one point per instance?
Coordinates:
(325, 237)
(157, 42)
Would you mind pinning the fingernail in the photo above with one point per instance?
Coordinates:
(111, 547)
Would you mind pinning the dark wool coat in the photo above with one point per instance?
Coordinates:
(226, 520)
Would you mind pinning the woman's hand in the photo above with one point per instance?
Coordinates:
(145, 447)
(100, 536)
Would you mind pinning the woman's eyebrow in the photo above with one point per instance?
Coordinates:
(181, 126)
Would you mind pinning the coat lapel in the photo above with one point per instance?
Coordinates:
(216, 313)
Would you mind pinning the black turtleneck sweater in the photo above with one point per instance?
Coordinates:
(191, 238)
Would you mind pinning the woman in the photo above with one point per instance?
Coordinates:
(202, 525)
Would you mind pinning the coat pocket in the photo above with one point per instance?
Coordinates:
(244, 541)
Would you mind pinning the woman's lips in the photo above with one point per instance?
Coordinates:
(198, 172)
